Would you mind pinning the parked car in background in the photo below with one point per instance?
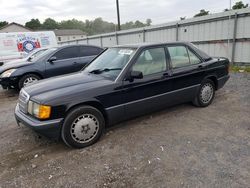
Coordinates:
(53, 62)
(121, 83)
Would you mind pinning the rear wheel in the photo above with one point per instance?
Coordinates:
(27, 80)
(205, 94)
(82, 127)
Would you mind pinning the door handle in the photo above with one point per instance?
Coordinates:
(166, 74)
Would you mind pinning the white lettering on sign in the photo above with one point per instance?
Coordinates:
(8, 43)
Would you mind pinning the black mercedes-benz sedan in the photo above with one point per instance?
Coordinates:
(121, 83)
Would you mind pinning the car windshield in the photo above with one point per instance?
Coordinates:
(44, 53)
(35, 54)
(111, 62)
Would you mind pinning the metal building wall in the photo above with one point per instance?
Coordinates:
(130, 38)
(224, 34)
(109, 41)
(161, 35)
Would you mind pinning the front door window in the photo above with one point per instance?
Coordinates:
(151, 61)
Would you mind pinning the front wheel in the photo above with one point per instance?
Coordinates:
(82, 127)
(27, 80)
(205, 94)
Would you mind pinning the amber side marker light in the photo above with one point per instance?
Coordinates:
(44, 112)
(38, 110)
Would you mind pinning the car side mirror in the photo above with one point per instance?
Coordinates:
(52, 59)
(134, 75)
(29, 59)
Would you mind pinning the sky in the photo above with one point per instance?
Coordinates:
(160, 11)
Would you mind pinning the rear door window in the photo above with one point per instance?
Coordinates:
(193, 58)
(181, 57)
(89, 51)
(67, 53)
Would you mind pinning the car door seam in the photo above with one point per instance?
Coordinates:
(147, 98)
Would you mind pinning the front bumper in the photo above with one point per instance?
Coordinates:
(49, 128)
(9, 82)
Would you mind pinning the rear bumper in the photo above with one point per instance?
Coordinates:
(50, 128)
(9, 82)
(222, 81)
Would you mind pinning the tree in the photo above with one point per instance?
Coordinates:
(34, 24)
(182, 18)
(90, 27)
(139, 24)
(72, 24)
(49, 23)
(148, 22)
(239, 5)
(99, 26)
(4, 23)
(136, 24)
(127, 25)
(202, 12)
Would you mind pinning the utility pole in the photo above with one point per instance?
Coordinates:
(228, 41)
(118, 15)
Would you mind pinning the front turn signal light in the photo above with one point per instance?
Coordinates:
(44, 112)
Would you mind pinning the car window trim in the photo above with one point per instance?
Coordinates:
(167, 58)
(65, 59)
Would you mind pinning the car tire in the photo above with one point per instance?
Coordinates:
(27, 79)
(205, 94)
(82, 127)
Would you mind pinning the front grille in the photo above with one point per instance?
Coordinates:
(23, 101)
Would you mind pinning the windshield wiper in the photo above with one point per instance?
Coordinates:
(99, 71)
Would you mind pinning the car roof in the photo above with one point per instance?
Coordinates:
(148, 44)
(73, 45)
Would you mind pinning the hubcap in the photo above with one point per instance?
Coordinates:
(206, 93)
(29, 81)
(84, 128)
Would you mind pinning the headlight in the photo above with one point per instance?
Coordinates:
(38, 110)
(7, 73)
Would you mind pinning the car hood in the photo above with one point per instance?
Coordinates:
(18, 61)
(62, 82)
(13, 65)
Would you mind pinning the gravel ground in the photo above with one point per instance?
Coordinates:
(182, 146)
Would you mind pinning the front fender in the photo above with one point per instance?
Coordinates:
(88, 101)
(28, 70)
